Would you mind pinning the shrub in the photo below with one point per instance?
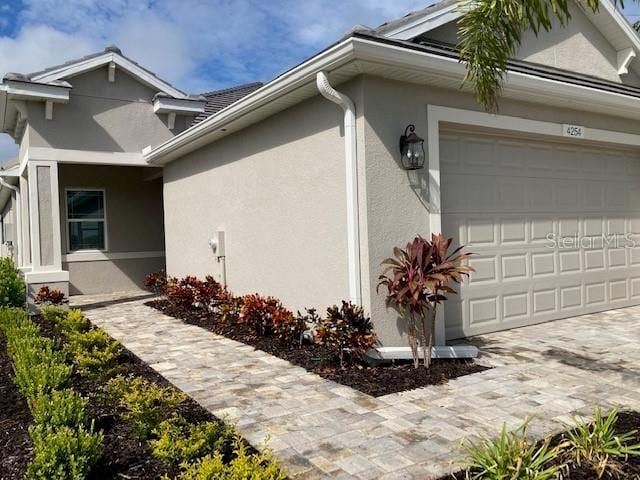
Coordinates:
(63, 453)
(145, 404)
(512, 456)
(258, 312)
(53, 314)
(59, 408)
(597, 443)
(67, 321)
(182, 293)
(291, 328)
(47, 296)
(178, 441)
(346, 328)
(39, 368)
(94, 352)
(243, 467)
(417, 279)
(156, 282)
(229, 309)
(12, 288)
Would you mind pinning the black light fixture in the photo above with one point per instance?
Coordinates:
(412, 149)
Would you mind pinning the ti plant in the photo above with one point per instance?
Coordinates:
(417, 280)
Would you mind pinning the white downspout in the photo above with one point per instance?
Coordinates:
(351, 166)
(18, 227)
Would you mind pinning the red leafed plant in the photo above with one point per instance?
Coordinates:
(209, 293)
(156, 282)
(259, 312)
(417, 279)
(182, 293)
(50, 296)
(346, 329)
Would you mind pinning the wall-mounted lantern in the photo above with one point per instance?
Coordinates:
(412, 149)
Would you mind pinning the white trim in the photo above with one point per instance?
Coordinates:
(48, 110)
(437, 114)
(523, 86)
(92, 256)
(622, 22)
(178, 105)
(624, 59)
(46, 277)
(36, 91)
(171, 120)
(66, 71)
(68, 221)
(86, 156)
(425, 23)
(111, 76)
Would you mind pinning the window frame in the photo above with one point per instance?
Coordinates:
(79, 220)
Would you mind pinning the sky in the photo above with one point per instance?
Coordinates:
(197, 45)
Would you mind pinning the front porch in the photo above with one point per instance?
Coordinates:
(89, 228)
(320, 429)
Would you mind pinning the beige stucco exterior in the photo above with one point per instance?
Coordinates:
(134, 221)
(102, 116)
(277, 190)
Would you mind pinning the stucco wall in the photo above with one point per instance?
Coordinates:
(393, 208)
(102, 116)
(134, 223)
(277, 190)
(578, 47)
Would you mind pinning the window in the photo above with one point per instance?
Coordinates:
(86, 220)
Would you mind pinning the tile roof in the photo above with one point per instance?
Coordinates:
(393, 24)
(219, 99)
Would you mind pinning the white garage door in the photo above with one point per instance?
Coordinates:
(553, 226)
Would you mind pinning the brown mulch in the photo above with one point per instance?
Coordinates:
(372, 380)
(628, 469)
(15, 418)
(124, 455)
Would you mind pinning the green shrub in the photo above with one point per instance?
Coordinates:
(39, 368)
(13, 292)
(94, 352)
(597, 443)
(15, 324)
(512, 457)
(60, 408)
(242, 467)
(63, 453)
(54, 314)
(178, 441)
(73, 321)
(145, 404)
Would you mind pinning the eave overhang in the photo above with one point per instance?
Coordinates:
(178, 106)
(397, 60)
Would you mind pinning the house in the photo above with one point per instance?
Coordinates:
(297, 189)
(82, 209)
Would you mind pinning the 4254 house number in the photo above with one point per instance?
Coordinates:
(573, 131)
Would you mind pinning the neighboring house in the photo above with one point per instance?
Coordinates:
(305, 202)
(88, 205)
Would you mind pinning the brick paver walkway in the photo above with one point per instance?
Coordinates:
(320, 429)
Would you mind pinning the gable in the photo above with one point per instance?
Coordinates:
(580, 47)
(95, 83)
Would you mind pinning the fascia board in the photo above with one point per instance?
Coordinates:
(36, 91)
(180, 106)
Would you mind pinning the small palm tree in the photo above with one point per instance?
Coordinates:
(417, 279)
(490, 32)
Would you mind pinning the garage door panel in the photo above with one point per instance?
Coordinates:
(550, 228)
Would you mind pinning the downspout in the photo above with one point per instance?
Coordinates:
(18, 227)
(351, 168)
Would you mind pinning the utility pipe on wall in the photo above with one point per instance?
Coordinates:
(351, 167)
(18, 227)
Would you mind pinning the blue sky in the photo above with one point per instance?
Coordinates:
(198, 45)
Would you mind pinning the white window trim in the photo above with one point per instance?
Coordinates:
(68, 220)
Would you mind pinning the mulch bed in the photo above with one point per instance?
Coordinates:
(124, 455)
(15, 418)
(372, 380)
(628, 470)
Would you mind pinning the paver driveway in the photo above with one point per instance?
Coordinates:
(320, 429)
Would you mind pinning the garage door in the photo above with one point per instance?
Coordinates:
(554, 227)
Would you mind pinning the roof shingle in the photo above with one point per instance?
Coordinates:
(219, 99)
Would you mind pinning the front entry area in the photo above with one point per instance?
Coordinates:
(555, 226)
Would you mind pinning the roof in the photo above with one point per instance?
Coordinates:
(111, 54)
(219, 99)
(412, 16)
(428, 63)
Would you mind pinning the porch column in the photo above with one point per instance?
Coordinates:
(44, 210)
(24, 255)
